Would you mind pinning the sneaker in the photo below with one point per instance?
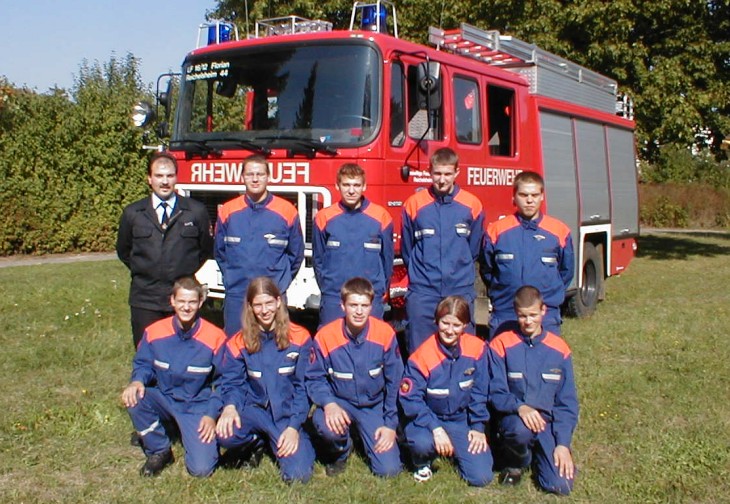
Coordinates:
(423, 474)
(335, 468)
(510, 476)
(156, 463)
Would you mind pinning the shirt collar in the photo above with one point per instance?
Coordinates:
(171, 201)
(261, 203)
(529, 223)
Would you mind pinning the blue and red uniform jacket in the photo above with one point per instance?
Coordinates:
(441, 239)
(447, 384)
(364, 371)
(537, 372)
(270, 378)
(181, 363)
(258, 239)
(344, 239)
(521, 252)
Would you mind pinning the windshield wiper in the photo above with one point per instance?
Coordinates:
(240, 142)
(197, 146)
(310, 146)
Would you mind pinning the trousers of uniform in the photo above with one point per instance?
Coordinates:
(148, 417)
(500, 322)
(232, 311)
(523, 447)
(330, 308)
(366, 420)
(257, 423)
(474, 468)
(142, 318)
(421, 309)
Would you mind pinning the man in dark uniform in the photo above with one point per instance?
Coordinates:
(161, 238)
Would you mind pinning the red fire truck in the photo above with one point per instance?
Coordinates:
(311, 98)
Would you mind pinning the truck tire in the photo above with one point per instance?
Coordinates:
(586, 298)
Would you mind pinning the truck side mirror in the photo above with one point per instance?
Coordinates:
(429, 85)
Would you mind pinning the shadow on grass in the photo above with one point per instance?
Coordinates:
(681, 245)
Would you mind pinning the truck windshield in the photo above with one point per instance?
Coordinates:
(280, 94)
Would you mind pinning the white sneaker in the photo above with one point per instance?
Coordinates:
(423, 474)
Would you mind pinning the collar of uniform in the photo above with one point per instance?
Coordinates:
(533, 341)
(171, 202)
(453, 352)
(444, 198)
(356, 338)
(183, 334)
(363, 205)
(529, 223)
(260, 204)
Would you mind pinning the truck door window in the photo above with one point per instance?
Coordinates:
(467, 111)
(501, 117)
(397, 105)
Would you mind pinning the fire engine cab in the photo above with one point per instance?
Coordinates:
(311, 98)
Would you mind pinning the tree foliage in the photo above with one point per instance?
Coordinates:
(671, 56)
(69, 161)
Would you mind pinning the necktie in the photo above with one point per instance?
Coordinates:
(165, 218)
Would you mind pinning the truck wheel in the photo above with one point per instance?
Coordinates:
(584, 302)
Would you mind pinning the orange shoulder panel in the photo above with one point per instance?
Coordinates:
(283, 208)
(503, 341)
(236, 345)
(416, 201)
(330, 337)
(160, 329)
(327, 214)
(210, 335)
(427, 356)
(557, 343)
(471, 346)
(470, 201)
(380, 332)
(236, 204)
(298, 334)
(379, 214)
(556, 227)
(496, 228)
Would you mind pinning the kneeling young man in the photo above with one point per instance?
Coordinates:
(172, 379)
(532, 386)
(353, 377)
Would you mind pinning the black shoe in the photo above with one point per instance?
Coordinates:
(254, 460)
(510, 476)
(335, 468)
(135, 439)
(156, 463)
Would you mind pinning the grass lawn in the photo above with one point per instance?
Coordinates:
(652, 367)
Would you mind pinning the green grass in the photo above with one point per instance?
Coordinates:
(651, 365)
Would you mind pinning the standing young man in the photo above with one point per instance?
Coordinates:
(527, 248)
(353, 376)
(353, 233)
(161, 238)
(533, 389)
(172, 379)
(441, 238)
(257, 234)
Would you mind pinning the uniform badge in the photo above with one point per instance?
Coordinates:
(406, 385)
(469, 371)
(539, 237)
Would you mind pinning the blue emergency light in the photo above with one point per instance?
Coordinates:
(219, 32)
(369, 19)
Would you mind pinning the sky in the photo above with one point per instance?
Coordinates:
(45, 41)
